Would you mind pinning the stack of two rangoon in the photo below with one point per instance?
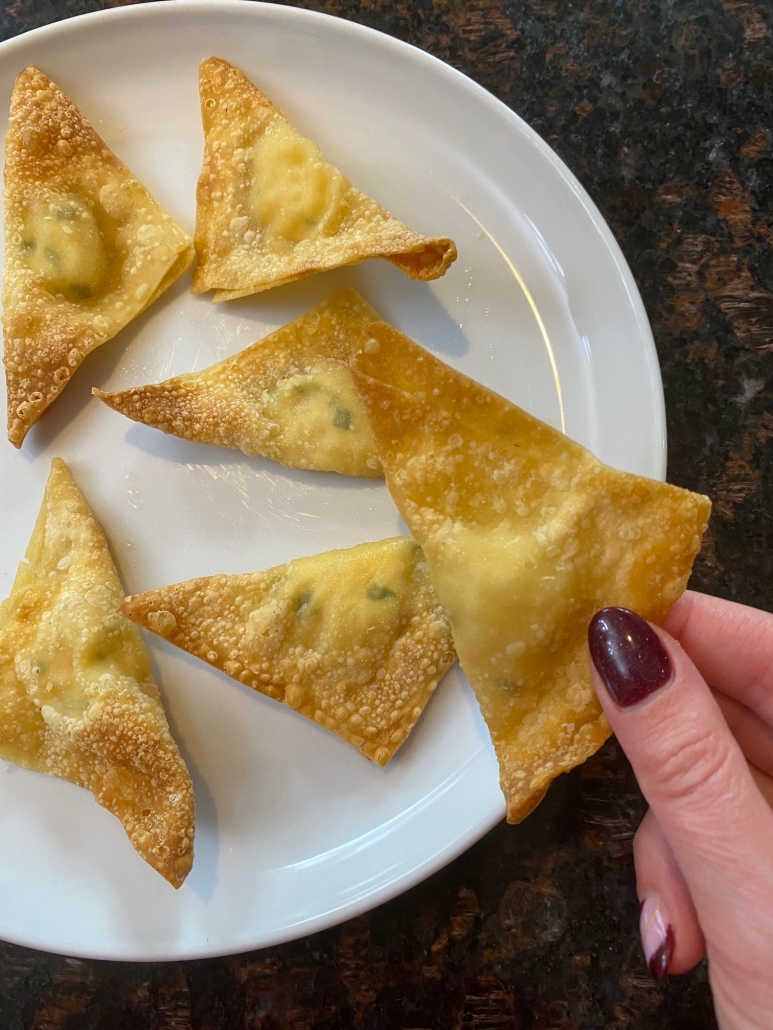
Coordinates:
(525, 535)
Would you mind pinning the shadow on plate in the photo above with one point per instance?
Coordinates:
(95, 370)
(390, 292)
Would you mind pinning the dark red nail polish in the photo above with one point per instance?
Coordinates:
(657, 936)
(661, 960)
(628, 655)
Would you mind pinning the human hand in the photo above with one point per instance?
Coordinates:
(692, 707)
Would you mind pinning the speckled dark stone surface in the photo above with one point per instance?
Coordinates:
(662, 110)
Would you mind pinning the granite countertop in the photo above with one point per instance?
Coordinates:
(661, 109)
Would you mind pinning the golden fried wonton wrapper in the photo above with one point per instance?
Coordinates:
(271, 209)
(77, 696)
(289, 397)
(526, 535)
(353, 639)
(86, 247)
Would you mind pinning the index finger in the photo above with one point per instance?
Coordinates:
(731, 645)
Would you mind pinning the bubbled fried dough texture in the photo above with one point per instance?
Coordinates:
(77, 696)
(353, 639)
(87, 248)
(289, 397)
(526, 535)
(270, 208)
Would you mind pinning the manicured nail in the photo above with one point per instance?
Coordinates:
(657, 937)
(628, 655)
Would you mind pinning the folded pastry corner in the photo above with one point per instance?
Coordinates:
(77, 695)
(270, 208)
(87, 248)
(289, 397)
(353, 639)
(526, 535)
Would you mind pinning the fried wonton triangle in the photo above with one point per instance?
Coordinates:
(526, 535)
(353, 639)
(86, 247)
(289, 397)
(77, 696)
(271, 209)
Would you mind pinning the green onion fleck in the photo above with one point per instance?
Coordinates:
(377, 593)
(343, 418)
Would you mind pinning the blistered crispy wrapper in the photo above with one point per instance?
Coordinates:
(289, 397)
(87, 248)
(353, 639)
(271, 209)
(77, 695)
(527, 535)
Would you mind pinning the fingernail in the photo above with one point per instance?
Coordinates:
(657, 937)
(628, 655)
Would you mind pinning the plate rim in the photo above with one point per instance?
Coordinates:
(375, 37)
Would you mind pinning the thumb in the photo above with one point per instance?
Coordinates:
(694, 776)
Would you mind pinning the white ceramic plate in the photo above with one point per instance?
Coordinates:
(295, 830)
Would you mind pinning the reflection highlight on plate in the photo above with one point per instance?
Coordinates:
(534, 310)
(352, 847)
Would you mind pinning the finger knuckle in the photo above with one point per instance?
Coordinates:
(695, 769)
